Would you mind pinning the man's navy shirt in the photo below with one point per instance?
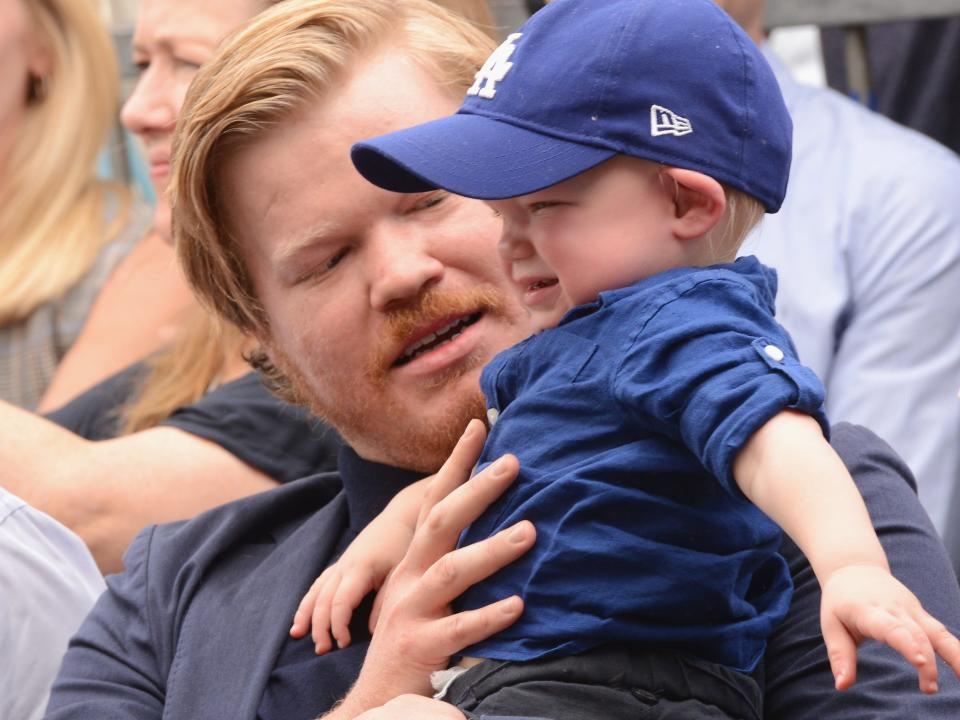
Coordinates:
(626, 419)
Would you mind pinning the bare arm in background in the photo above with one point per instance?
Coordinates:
(107, 491)
(137, 311)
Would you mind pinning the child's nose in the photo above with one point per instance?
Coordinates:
(513, 246)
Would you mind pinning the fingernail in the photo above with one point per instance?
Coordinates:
(510, 606)
(518, 534)
(500, 467)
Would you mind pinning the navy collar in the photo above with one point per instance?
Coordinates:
(369, 486)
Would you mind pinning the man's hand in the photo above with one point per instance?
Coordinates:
(413, 707)
(866, 601)
(415, 631)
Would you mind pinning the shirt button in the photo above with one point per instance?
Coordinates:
(492, 415)
(774, 353)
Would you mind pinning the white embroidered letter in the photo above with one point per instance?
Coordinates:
(667, 122)
(494, 69)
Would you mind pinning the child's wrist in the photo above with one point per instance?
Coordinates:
(852, 565)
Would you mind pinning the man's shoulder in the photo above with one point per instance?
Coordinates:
(163, 634)
(266, 518)
(829, 119)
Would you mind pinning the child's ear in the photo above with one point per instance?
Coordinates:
(699, 201)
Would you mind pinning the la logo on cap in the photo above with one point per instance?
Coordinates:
(667, 122)
(494, 69)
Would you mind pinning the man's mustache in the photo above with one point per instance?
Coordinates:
(431, 306)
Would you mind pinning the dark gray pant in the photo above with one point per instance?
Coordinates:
(607, 683)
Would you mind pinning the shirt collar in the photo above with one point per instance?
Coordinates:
(369, 486)
(763, 277)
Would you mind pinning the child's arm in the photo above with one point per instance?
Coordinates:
(363, 567)
(791, 473)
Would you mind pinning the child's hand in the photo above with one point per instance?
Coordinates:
(363, 567)
(866, 601)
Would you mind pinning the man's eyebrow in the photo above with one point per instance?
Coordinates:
(299, 241)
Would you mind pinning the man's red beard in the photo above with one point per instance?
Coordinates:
(359, 404)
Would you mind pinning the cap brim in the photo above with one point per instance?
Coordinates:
(474, 156)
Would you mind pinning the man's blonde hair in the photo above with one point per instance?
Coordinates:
(288, 57)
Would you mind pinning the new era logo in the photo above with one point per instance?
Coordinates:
(667, 122)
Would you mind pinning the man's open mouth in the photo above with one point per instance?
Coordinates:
(437, 338)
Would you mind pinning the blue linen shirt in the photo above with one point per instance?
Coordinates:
(626, 419)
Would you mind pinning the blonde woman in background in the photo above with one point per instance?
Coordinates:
(191, 427)
(84, 291)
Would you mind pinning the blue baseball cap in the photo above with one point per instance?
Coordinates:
(672, 81)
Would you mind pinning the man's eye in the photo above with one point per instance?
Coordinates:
(335, 259)
(324, 268)
(142, 65)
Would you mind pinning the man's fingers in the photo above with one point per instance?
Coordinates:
(457, 468)
(442, 526)
(457, 571)
(841, 651)
(463, 629)
(413, 707)
(377, 605)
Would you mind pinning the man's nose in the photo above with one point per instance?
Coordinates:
(403, 266)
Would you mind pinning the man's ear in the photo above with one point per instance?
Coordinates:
(699, 201)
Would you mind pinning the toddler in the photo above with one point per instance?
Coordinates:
(664, 426)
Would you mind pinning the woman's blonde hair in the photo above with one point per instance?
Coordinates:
(52, 205)
(183, 372)
(283, 60)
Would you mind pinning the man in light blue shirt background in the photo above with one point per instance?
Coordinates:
(867, 246)
(48, 582)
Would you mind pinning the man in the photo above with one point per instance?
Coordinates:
(48, 582)
(379, 309)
